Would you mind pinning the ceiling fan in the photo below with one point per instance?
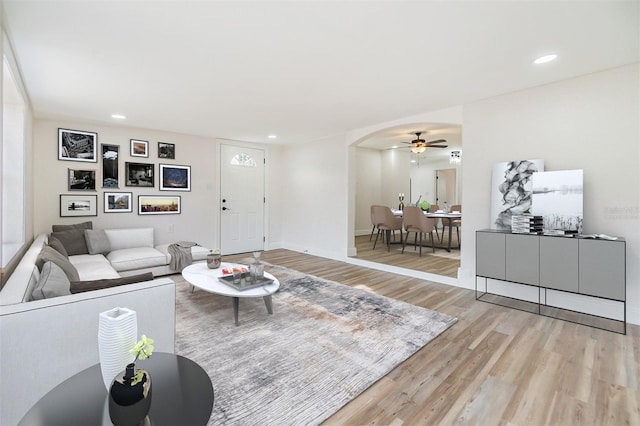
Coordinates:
(418, 145)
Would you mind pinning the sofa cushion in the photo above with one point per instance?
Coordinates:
(97, 241)
(48, 254)
(53, 282)
(72, 240)
(82, 286)
(126, 238)
(83, 225)
(93, 267)
(57, 245)
(136, 258)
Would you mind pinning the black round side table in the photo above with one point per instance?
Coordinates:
(182, 395)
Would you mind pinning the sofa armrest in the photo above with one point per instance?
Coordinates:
(44, 342)
(18, 287)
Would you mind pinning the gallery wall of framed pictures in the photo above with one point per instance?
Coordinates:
(84, 182)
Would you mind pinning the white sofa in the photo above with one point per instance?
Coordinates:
(44, 342)
(132, 251)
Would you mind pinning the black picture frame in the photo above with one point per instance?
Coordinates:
(139, 148)
(175, 178)
(166, 150)
(76, 205)
(118, 202)
(110, 154)
(77, 145)
(159, 204)
(81, 180)
(139, 174)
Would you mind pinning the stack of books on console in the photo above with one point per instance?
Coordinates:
(526, 224)
(560, 232)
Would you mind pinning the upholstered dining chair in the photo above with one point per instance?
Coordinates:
(414, 220)
(454, 223)
(386, 221)
(432, 209)
(373, 219)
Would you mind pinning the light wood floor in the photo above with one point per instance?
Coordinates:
(495, 366)
(441, 262)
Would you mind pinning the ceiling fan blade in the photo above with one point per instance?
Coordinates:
(437, 146)
(437, 141)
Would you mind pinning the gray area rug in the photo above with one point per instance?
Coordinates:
(325, 344)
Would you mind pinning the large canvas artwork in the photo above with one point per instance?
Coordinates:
(557, 197)
(511, 190)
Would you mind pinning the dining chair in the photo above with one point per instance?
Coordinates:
(373, 219)
(432, 209)
(455, 222)
(414, 220)
(386, 221)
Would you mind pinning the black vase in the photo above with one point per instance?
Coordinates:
(130, 396)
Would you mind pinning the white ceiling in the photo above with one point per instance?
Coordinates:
(302, 70)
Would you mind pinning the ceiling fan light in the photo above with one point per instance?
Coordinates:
(418, 149)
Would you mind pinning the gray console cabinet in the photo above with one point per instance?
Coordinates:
(602, 268)
(590, 267)
(523, 258)
(490, 255)
(559, 264)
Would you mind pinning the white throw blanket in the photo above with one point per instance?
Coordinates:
(180, 254)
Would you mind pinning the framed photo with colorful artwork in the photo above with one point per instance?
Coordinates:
(175, 178)
(159, 204)
(118, 202)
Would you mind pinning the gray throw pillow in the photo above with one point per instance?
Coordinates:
(73, 241)
(82, 286)
(97, 241)
(47, 254)
(57, 245)
(83, 225)
(53, 282)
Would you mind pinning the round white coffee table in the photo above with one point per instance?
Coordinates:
(199, 275)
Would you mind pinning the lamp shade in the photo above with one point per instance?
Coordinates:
(117, 334)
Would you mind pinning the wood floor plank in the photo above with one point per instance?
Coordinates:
(495, 366)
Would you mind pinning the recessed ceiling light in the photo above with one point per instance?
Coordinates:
(394, 147)
(118, 116)
(272, 136)
(545, 59)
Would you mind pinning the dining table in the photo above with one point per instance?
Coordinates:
(440, 214)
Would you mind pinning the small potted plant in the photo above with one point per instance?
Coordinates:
(130, 393)
(214, 259)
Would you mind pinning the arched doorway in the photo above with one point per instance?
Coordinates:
(385, 167)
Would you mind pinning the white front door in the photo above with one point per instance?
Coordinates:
(241, 199)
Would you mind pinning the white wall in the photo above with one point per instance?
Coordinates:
(276, 197)
(368, 187)
(199, 216)
(423, 181)
(315, 197)
(395, 168)
(590, 123)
